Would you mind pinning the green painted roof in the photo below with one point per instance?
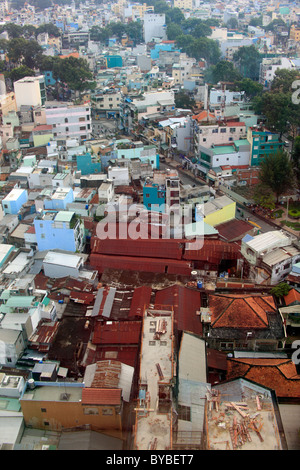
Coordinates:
(199, 228)
(20, 301)
(241, 142)
(64, 216)
(223, 150)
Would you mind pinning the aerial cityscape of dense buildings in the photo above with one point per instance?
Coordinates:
(149, 226)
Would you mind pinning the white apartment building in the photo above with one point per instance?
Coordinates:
(30, 91)
(216, 134)
(107, 103)
(183, 4)
(154, 26)
(269, 66)
(182, 70)
(69, 121)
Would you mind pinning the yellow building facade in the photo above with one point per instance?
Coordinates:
(55, 408)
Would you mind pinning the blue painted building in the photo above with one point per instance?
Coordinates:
(13, 202)
(49, 79)
(163, 46)
(87, 164)
(154, 197)
(61, 230)
(60, 199)
(113, 61)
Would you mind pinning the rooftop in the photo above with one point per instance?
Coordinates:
(242, 415)
(58, 393)
(153, 422)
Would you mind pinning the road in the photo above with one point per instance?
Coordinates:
(263, 224)
(185, 178)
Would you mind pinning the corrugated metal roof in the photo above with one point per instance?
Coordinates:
(213, 251)
(192, 358)
(102, 262)
(160, 248)
(185, 302)
(125, 332)
(140, 300)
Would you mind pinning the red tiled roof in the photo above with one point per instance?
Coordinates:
(235, 124)
(293, 296)
(203, 116)
(239, 311)
(42, 127)
(277, 374)
(31, 229)
(101, 396)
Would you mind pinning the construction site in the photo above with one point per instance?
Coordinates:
(153, 428)
(244, 422)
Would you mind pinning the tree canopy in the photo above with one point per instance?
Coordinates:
(277, 106)
(276, 172)
(247, 60)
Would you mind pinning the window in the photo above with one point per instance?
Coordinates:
(66, 120)
(184, 412)
(107, 412)
(91, 411)
(82, 128)
(43, 410)
(223, 130)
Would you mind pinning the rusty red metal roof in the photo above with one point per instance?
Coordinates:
(160, 248)
(101, 396)
(140, 300)
(125, 354)
(123, 332)
(43, 336)
(185, 302)
(213, 251)
(85, 298)
(234, 229)
(130, 263)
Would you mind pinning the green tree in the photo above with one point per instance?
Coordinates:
(282, 289)
(250, 87)
(21, 72)
(232, 23)
(264, 197)
(173, 31)
(49, 28)
(174, 16)
(13, 30)
(224, 71)
(247, 60)
(75, 73)
(296, 159)
(256, 21)
(276, 172)
(134, 31)
(184, 100)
